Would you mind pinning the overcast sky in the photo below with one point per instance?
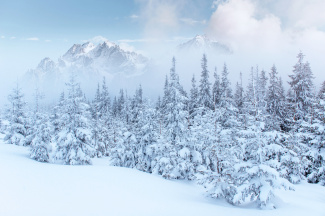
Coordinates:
(261, 32)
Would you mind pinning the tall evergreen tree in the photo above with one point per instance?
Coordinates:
(239, 95)
(301, 85)
(175, 119)
(74, 144)
(226, 94)
(18, 128)
(216, 89)
(205, 99)
(194, 94)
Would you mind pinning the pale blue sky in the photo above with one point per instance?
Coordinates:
(33, 29)
(261, 32)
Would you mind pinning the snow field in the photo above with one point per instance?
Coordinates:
(31, 188)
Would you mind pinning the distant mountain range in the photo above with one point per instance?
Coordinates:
(105, 58)
(109, 59)
(121, 67)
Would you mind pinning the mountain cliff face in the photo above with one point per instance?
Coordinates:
(204, 44)
(104, 59)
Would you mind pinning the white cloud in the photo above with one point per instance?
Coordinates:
(127, 47)
(134, 16)
(144, 40)
(234, 23)
(96, 39)
(12, 38)
(215, 4)
(160, 17)
(301, 13)
(32, 39)
(271, 31)
(47, 41)
(192, 22)
(2, 37)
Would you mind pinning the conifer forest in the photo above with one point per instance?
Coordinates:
(238, 143)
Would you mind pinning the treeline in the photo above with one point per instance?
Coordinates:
(239, 144)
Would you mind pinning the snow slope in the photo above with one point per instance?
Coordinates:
(28, 188)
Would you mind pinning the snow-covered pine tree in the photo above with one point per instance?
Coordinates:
(251, 96)
(216, 89)
(275, 101)
(176, 123)
(40, 148)
(227, 116)
(205, 99)
(301, 85)
(322, 91)
(98, 130)
(262, 94)
(255, 176)
(239, 95)
(194, 97)
(175, 128)
(41, 132)
(105, 107)
(316, 145)
(73, 141)
(226, 94)
(18, 129)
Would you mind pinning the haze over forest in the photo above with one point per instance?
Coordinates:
(259, 33)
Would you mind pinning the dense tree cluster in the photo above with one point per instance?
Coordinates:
(240, 146)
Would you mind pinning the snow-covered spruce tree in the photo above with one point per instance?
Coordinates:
(306, 126)
(301, 85)
(205, 99)
(317, 145)
(105, 105)
(73, 141)
(251, 95)
(133, 126)
(40, 148)
(98, 130)
(322, 91)
(175, 129)
(41, 132)
(226, 106)
(147, 138)
(225, 87)
(101, 120)
(194, 98)
(239, 95)
(255, 177)
(216, 89)
(18, 129)
(311, 136)
(275, 101)
(262, 93)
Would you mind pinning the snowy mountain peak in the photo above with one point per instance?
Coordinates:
(204, 43)
(105, 58)
(46, 64)
(108, 44)
(88, 46)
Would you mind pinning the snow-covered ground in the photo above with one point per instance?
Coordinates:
(31, 188)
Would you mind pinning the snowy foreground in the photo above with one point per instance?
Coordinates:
(28, 187)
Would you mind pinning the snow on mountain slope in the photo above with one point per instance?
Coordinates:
(204, 44)
(31, 188)
(90, 63)
(105, 58)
